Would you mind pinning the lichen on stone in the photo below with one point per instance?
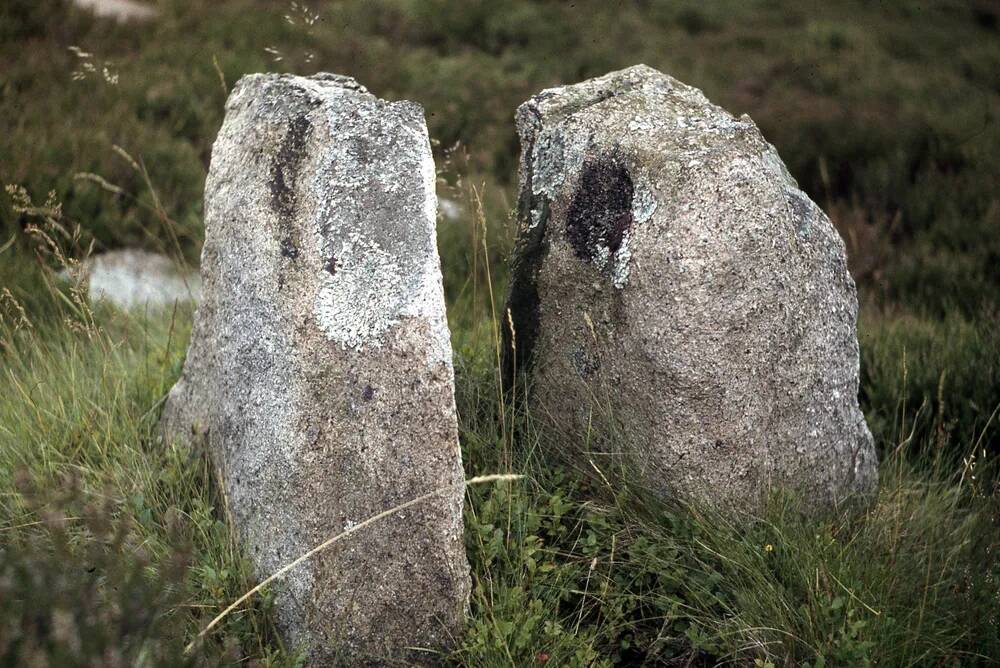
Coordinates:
(716, 295)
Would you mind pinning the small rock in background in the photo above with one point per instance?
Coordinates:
(450, 210)
(671, 282)
(132, 278)
(320, 366)
(119, 10)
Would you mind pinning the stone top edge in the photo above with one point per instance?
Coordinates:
(319, 80)
(322, 87)
(560, 101)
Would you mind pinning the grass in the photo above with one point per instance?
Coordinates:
(79, 410)
(580, 567)
(885, 115)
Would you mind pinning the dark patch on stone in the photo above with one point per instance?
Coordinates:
(522, 297)
(368, 393)
(802, 211)
(586, 365)
(601, 210)
(289, 249)
(331, 265)
(286, 164)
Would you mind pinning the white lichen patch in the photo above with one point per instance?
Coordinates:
(536, 218)
(363, 298)
(622, 260)
(375, 232)
(427, 301)
(548, 170)
(643, 207)
(643, 201)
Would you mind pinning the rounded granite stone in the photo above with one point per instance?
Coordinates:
(673, 286)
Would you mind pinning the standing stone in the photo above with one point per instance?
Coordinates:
(672, 283)
(319, 368)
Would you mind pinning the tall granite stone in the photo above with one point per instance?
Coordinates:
(319, 369)
(672, 283)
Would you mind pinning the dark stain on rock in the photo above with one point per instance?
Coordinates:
(289, 249)
(331, 265)
(368, 393)
(601, 210)
(586, 365)
(285, 166)
(522, 298)
(802, 210)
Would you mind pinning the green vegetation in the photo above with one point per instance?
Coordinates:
(110, 541)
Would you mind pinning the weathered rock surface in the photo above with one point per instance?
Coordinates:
(671, 281)
(131, 278)
(320, 368)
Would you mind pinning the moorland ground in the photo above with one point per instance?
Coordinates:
(886, 113)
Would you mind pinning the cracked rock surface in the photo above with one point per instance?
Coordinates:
(319, 370)
(673, 285)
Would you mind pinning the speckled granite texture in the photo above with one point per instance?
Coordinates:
(319, 368)
(672, 283)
